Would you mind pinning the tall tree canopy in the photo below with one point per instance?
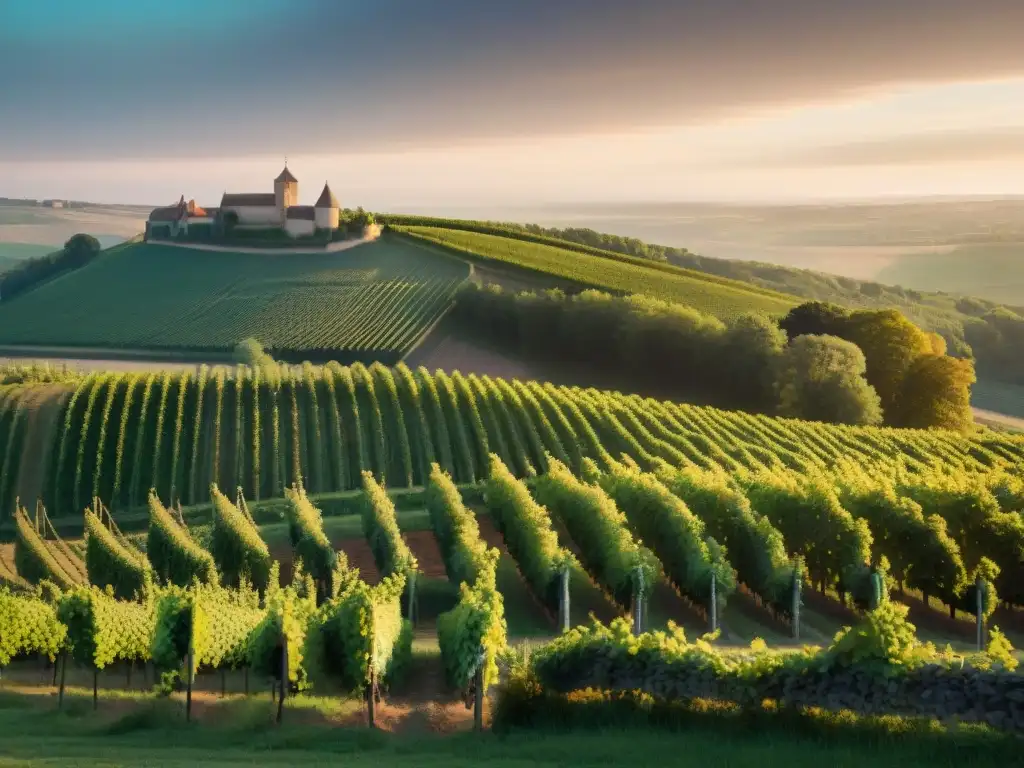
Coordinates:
(821, 378)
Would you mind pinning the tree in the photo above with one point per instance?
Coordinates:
(891, 344)
(814, 317)
(753, 344)
(250, 352)
(821, 378)
(82, 248)
(936, 392)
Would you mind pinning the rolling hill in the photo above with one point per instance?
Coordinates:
(372, 302)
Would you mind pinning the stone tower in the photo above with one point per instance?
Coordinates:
(286, 192)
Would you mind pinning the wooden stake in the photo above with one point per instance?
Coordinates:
(478, 704)
(284, 677)
(371, 699)
(564, 601)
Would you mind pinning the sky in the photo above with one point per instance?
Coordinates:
(415, 105)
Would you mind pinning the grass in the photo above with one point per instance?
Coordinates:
(134, 730)
(371, 301)
(708, 295)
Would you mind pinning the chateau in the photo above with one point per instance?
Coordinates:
(250, 210)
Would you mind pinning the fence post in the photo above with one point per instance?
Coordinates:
(638, 600)
(563, 603)
(478, 694)
(371, 698)
(412, 597)
(284, 677)
(714, 603)
(797, 583)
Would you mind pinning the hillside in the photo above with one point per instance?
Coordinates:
(371, 302)
(795, 484)
(607, 272)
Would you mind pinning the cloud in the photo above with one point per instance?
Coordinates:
(932, 148)
(327, 76)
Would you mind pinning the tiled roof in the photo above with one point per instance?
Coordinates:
(307, 212)
(327, 199)
(248, 198)
(286, 175)
(170, 213)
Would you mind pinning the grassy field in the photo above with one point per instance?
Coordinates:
(373, 301)
(709, 295)
(135, 730)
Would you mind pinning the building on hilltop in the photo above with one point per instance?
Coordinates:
(279, 209)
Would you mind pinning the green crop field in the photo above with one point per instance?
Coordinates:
(611, 272)
(373, 301)
(594, 503)
(873, 489)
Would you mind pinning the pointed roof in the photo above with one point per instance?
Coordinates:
(327, 199)
(286, 175)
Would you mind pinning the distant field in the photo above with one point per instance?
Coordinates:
(707, 295)
(998, 397)
(992, 271)
(372, 301)
(12, 253)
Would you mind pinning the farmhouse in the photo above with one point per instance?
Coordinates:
(250, 210)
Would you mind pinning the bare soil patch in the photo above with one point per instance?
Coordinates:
(424, 545)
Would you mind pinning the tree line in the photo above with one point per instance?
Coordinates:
(78, 251)
(820, 362)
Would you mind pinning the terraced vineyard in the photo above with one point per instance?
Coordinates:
(714, 296)
(938, 512)
(370, 302)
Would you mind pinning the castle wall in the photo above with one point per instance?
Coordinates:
(327, 218)
(255, 214)
(299, 227)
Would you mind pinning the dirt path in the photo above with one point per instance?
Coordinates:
(42, 408)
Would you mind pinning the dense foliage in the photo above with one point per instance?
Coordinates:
(360, 637)
(335, 418)
(380, 525)
(236, 546)
(466, 557)
(103, 630)
(310, 544)
(877, 666)
(28, 626)
(111, 561)
(917, 384)
(215, 621)
(608, 552)
(972, 327)
(689, 556)
(527, 531)
(174, 555)
(756, 548)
